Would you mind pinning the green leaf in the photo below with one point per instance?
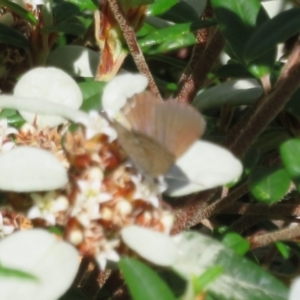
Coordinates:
(12, 37)
(181, 12)
(13, 117)
(273, 32)
(293, 106)
(232, 92)
(269, 184)
(15, 273)
(201, 282)
(283, 249)
(91, 92)
(64, 11)
(172, 37)
(289, 152)
(84, 4)
(20, 11)
(162, 35)
(236, 243)
(238, 20)
(233, 70)
(143, 282)
(241, 279)
(159, 7)
(73, 26)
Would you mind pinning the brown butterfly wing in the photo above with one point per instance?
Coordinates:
(177, 126)
(140, 112)
(147, 154)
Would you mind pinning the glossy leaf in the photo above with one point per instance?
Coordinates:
(181, 12)
(237, 243)
(233, 70)
(238, 20)
(273, 32)
(84, 4)
(12, 37)
(91, 92)
(143, 282)
(269, 184)
(293, 106)
(289, 152)
(75, 60)
(65, 10)
(232, 92)
(12, 116)
(162, 35)
(199, 253)
(202, 281)
(159, 7)
(284, 250)
(20, 11)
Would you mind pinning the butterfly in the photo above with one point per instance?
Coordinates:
(159, 132)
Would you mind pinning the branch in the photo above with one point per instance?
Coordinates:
(200, 65)
(286, 234)
(134, 48)
(257, 118)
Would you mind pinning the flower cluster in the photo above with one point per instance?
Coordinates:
(81, 180)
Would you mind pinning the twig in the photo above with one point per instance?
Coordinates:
(266, 108)
(246, 222)
(200, 65)
(189, 80)
(285, 234)
(133, 46)
(193, 210)
(269, 211)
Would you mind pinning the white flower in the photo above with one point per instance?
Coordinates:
(51, 84)
(118, 90)
(203, 166)
(147, 189)
(47, 206)
(87, 203)
(96, 125)
(5, 229)
(107, 253)
(156, 247)
(32, 3)
(29, 169)
(54, 263)
(295, 290)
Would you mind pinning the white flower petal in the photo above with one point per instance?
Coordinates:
(295, 290)
(203, 166)
(75, 60)
(37, 252)
(153, 246)
(28, 169)
(44, 107)
(117, 91)
(50, 84)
